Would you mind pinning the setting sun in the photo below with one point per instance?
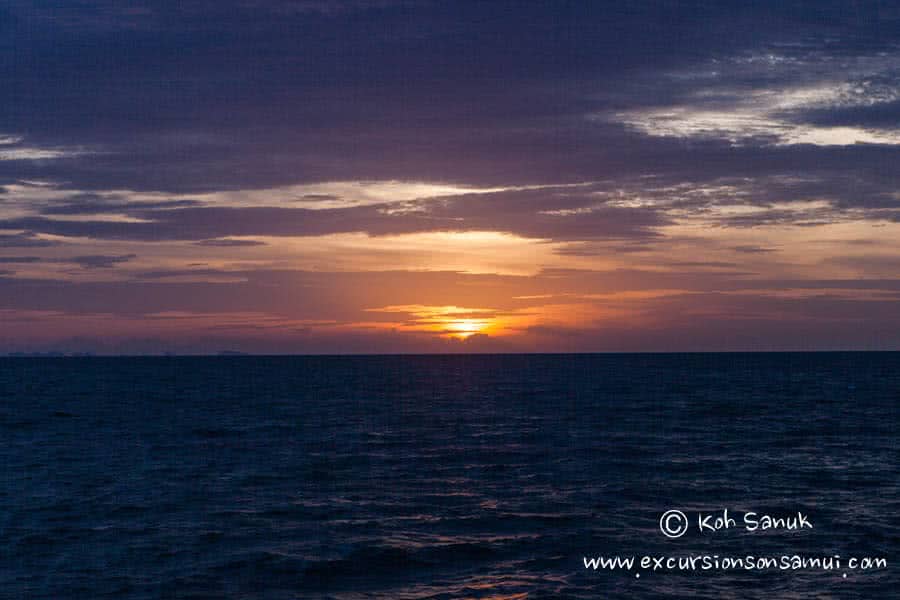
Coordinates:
(463, 328)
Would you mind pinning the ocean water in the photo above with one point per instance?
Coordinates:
(443, 476)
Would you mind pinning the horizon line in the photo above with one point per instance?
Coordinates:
(237, 354)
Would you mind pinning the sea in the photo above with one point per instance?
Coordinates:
(458, 476)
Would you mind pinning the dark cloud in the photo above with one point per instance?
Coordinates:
(87, 262)
(234, 95)
(100, 261)
(552, 214)
(92, 204)
(193, 272)
(666, 112)
(588, 249)
(627, 211)
(319, 197)
(752, 249)
(229, 243)
(876, 115)
(19, 259)
(27, 239)
(715, 264)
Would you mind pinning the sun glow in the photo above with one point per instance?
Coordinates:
(463, 328)
(448, 321)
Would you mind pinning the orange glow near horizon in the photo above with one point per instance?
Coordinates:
(463, 328)
(462, 323)
(446, 321)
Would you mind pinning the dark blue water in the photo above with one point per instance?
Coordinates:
(441, 476)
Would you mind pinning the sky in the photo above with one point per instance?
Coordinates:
(378, 176)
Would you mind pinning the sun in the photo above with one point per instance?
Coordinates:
(463, 328)
(448, 321)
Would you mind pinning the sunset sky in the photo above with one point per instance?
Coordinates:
(340, 176)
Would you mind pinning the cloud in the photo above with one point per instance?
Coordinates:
(553, 213)
(632, 214)
(560, 310)
(19, 259)
(320, 197)
(651, 148)
(100, 261)
(738, 105)
(14, 148)
(474, 95)
(25, 153)
(230, 243)
(27, 239)
(752, 249)
(95, 204)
